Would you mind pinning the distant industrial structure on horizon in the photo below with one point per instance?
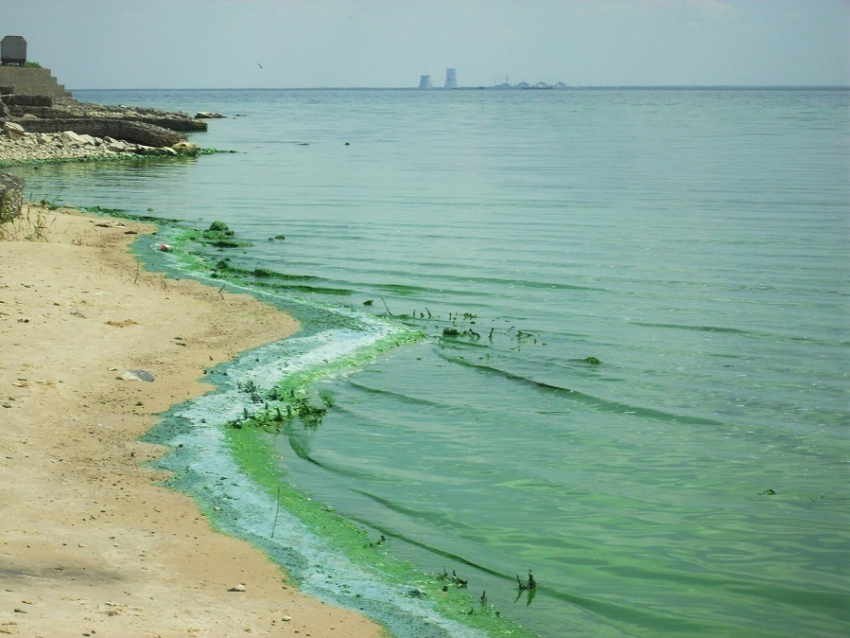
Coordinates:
(451, 80)
(451, 83)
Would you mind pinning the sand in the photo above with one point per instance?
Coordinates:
(90, 543)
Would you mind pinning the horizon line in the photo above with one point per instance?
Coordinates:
(487, 87)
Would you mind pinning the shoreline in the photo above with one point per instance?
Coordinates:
(91, 541)
(41, 129)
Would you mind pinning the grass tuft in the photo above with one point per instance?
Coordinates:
(31, 225)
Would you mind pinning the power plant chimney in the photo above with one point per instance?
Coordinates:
(425, 82)
(451, 79)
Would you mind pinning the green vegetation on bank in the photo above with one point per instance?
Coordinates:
(218, 235)
(65, 160)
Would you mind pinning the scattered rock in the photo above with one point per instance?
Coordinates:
(72, 130)
(185, 148)
(67, 144)
(122, 324)
(69, 137)
(117, 146)
(64, 145)
(13, 130)
(155, 150)
(137, 375)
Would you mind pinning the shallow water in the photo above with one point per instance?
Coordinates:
(694, 242)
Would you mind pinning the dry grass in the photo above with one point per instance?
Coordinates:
(31, 225)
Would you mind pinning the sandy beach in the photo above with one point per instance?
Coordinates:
(90, 543)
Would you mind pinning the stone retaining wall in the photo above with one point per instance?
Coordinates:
(32, 81)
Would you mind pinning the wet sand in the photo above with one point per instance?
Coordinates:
(90, 544)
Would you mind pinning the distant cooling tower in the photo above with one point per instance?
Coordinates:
(425, 82)
(451, 79)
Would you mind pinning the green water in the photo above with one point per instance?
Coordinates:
(693, 482)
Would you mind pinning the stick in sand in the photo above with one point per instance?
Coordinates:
(276, 511)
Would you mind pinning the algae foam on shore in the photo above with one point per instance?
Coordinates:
(225, 456)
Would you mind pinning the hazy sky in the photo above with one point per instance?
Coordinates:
(390, 43)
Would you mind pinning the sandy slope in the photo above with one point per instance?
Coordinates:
(89, 543)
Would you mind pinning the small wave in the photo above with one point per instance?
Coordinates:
(678, 326)
(774, 336)
(595, 402)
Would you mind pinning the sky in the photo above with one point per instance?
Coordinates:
(116, 44)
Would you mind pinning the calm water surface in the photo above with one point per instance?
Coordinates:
(694, 481)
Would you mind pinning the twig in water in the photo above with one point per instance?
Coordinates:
(457, 580)
(529, 585)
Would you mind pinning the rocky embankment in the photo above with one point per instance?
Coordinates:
(39, 129)
(18, 146)
(21, 108)
(36, 129)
